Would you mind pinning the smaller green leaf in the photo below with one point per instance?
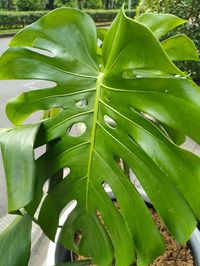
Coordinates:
(15, 242)
(160, 24)
(101, 33)
(17, 147)
(180, 47)
(76, 263)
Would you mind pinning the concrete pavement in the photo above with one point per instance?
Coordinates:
(8, 90)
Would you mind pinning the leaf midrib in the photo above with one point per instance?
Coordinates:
(93, 134)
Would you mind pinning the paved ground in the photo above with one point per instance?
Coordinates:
(10, 89)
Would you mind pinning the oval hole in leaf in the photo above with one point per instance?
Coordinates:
(66, 172)
(99, 43)
(134, 180)
(44, 195)
(39, 151)
(191, 146)
(119, 161)
(81, 103)
(149, 117)
(109, 121)
(77, 129)
(66, 211)
(34, 118)
(30, 84)
(41, 51)
(129, 173)
(122, 164)
(78, 237)
(108, 190)
(45, 187)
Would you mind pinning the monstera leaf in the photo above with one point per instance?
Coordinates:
(124, 108)
(15, 242)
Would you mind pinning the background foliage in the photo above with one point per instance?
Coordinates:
(186, 9)
(18, 20)
(50, 4)
(26, 5)
(69, 3)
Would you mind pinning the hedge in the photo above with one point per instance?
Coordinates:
(19, 19)
(186, 9)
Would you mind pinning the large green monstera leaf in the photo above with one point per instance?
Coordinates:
(130, 103)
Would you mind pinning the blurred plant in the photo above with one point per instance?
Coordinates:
(119, 3)
(187, 9)
(93, 4)
(26, 5)
(6, 4)
(69, 3)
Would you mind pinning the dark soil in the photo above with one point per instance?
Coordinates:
(175, 254)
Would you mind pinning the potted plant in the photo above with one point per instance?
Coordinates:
(131, 104)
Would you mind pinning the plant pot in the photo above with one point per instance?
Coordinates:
(58, 254)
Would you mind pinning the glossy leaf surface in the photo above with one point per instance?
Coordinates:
(160, 24)
(180, 47)
(18, 159)
(15, 242)
(118, 113)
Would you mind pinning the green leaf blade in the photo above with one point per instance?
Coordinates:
(160, 24)
(123, 111)
(180, 47)
(17, 147)
(15, 242)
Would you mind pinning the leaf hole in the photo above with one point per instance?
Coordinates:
(108, 190)
(135, 181)
(192, 146)
(111, 195)
(129, 173)
(39, 151)
(77, 129)
(149, 117)
(66, 211)
(99, 42)
(41, 51)
(109, 121)
(45, 187)
(120, 163)
(44, 195)
(66, 172)
(81, 103)
(30, 84)
(34, 118)
(78, 237)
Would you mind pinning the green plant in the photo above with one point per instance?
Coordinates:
(26, 5)
(93, 4)
(130, 103)
(119, 3)
(20, 19)
(188, 9)
(69, 3)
